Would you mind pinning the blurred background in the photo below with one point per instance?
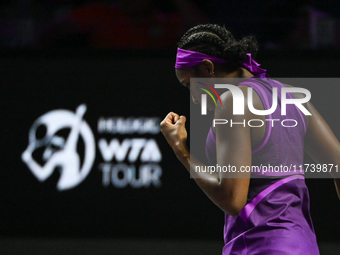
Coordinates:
(283, 24)
(130, 194)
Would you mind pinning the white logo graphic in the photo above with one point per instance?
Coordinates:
(58, 151)
(238, 102)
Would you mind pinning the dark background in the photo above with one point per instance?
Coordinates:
(140, 83)
(177, 218)
(277, 24)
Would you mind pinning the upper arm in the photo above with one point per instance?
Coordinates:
(320, 142)
(233, 148)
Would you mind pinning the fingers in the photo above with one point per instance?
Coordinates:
(171, 118)
(181, 120)
(176, 118)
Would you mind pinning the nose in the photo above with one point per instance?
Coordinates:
(194, 99)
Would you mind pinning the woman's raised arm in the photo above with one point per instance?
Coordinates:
(228, 190)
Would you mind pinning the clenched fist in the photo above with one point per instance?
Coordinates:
(173, 128)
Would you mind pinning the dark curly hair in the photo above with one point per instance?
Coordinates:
(217, 41)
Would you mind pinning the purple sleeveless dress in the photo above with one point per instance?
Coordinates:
(276, 218)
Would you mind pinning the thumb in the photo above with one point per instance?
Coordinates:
(182, 120)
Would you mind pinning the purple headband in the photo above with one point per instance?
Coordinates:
(188, 58)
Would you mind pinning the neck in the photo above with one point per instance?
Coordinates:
(240, 73)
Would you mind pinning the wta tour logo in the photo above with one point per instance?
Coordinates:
(55, 149)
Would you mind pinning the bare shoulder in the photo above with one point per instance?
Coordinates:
(296, 95)
(307, 105)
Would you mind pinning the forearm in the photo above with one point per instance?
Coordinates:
(196, 168)
(209, 182)
(229, 193)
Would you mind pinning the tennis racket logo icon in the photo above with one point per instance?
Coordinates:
(61, 151)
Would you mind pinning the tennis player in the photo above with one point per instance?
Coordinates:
(267, 215)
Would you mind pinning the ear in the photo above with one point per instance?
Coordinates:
(207, 67)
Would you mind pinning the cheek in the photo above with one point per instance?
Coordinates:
(196, 93)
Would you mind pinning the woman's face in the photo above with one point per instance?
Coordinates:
(184, 75)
